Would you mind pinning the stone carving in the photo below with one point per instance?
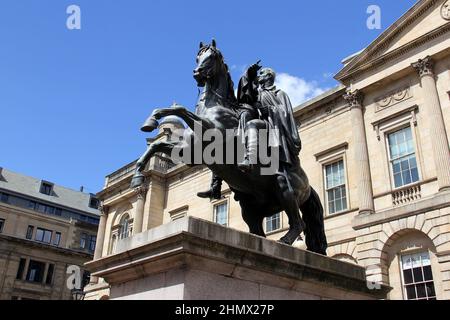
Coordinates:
(445, 10)
(393, 98)
(424, 66)
(141, 191)
(354, 99)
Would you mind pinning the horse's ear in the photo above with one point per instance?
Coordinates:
(214, 43)
(201, 45)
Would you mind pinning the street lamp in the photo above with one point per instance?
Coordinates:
(78, 294)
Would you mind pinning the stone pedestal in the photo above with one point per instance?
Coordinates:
(193, 259)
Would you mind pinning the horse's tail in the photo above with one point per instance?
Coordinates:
(312, 211)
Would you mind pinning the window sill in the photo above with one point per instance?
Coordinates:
(339, 214)
(36, 284)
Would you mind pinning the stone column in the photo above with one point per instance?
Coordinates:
(433, 112)
(100, 237)
(139, 215)
(361, 154)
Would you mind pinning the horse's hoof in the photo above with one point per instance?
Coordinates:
(150, 125)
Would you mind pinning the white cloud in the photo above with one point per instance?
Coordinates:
(298, 89)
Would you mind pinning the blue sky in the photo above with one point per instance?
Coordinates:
(72, 101)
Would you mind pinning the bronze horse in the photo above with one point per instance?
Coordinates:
(260, 196)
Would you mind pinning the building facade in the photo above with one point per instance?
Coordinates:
(44, 230)
(376, 148)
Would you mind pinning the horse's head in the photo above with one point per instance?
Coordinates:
(209, 59)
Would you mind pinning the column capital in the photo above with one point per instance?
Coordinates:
(354, 98)
(424, 66)
(103, 209)
(141, 191)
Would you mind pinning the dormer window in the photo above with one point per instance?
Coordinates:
(94, 203)
(46, 188)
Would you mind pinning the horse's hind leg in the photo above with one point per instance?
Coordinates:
(254, 219)
(289, 201)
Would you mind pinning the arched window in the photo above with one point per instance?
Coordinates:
(124, 230)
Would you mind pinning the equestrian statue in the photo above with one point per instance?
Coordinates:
(260, 117)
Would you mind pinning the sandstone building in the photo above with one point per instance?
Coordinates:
(376, 148)
(44, 229)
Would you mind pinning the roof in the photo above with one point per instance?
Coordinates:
(29, 187)
(377, 46)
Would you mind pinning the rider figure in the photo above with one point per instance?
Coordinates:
(273, 106)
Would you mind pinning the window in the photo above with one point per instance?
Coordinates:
(83, 240)
(36, 271)
(94, 202)
(57, 239)
(4, 197)
(221, 214)
(51, 270)
(21, 269)
(403, 157)
(124, 230)
(32, 205)
(30, 231)
(43, 235)
(46, 188)
(335, 187)
(92, 241)
(273, 223)
(2, 223)
(418, 277)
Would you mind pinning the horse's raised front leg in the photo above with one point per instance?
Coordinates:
(191, 119)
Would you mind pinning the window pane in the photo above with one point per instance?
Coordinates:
(29, 234)
(36, 271)
(408, 276)
(430, 289)
(39, 235)
(411, 292)
(221, 214)
(273, 223)
(418, 276)
(428, 274)
(421, 291)
(57, 239)
(47, 236)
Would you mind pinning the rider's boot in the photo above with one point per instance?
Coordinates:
(251, 149)
(216, 189)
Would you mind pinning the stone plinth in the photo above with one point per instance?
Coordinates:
(193, 259)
